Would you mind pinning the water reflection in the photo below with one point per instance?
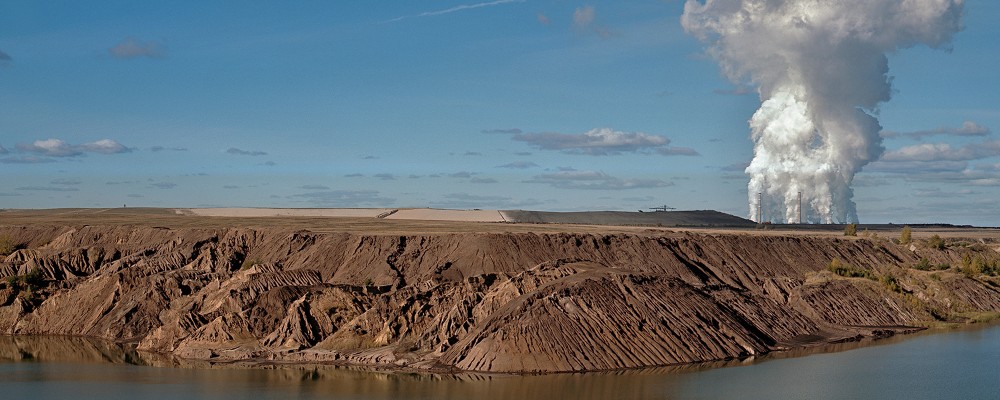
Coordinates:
(61, 367)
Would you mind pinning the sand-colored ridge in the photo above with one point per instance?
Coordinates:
(483, 299)
(254, 212)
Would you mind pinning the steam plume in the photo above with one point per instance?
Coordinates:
(821, 71)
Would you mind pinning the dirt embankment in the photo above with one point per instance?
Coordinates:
(504, 302)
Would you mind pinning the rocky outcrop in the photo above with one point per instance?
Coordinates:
(479, 302)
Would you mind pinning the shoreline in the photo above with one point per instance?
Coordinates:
(161, 360)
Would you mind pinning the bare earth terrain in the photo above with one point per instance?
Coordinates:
(446, 290)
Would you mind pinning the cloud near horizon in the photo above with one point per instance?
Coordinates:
(944, 152)
(968, 128)
(59, 148)
(511, 131)
(594, 180)
(345, 198)
(519, 165)
(135, 48)
(157, 149)
(163, 185)
(66, 181)
(602, 142)
(241, 152)
(468, 201)
(48, 189)
(942, 162)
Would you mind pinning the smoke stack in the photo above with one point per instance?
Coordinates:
(820, 69)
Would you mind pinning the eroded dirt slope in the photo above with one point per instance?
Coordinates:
(504, 302)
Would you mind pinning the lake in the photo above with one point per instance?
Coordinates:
(960, 364)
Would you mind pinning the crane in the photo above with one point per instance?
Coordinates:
(662, 208)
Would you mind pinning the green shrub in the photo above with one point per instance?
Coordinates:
(247, 264)
(935, 242)
(925, 265)
(906, 236)
(851, 230)
(7, 245)
(34, 278)
(28, 295)
(980, 265)
(849, 271)
(890, 283)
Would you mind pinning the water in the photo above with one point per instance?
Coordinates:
(962, 364)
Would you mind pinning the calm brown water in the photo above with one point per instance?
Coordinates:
(961, 364)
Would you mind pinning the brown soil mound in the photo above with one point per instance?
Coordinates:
(495, 302)
(699, 218)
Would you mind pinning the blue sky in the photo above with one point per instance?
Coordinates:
(545, 105)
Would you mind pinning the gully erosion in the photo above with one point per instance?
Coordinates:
(492, 302)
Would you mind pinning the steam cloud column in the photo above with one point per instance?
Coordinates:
(820, 69)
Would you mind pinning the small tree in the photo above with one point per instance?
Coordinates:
(906, 236)
(851, 230)
(935, 242)
(7, 245)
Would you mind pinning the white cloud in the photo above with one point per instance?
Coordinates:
(602, 141)
(944, 152)
(59, 148)
(51, 148)
(104, 146)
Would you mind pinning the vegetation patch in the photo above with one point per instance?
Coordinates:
(841, 268)
(936, 242)
(890, 283)
(975, 265)
(849, 271)
(7, 245)
(906, 236)
(27, 285)
(247, 264)
(925, 265)
(851, 230)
